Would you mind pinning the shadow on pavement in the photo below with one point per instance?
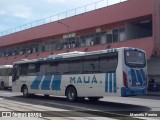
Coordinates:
(83, 105)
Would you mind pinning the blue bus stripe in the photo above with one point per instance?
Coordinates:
(143, 75)
(139, 77)
(115, 84)
(46, 83)
(36, 82)
(106, 83)
(56, 83)
(133, 75)
(110, 82)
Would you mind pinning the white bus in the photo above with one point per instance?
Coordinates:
(6, 76)
(116, 72)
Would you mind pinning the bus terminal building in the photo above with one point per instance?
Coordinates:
(131, 23)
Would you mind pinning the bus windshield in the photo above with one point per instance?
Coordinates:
(135, 58)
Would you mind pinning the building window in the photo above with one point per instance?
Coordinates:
(89, 40)
(52, 45)
(82, 41)
(77, 42)
(72, 42)
(97, 38)
(60, 44)
(122, 35)
(109, 37)
(103, 38)
(115, 35)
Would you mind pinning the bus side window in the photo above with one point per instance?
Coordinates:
(51, 68)
(3, 72)
(108, 62)
(24, 69)
(31, 69)
(91, 64)
(37, 67)
(8, 71)
(42, 71)
(63, 67)
(75, 66)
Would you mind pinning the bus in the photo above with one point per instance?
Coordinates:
(6, 76)
(92, 75)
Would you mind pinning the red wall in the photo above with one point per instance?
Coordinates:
(111, 14)
(144, 44)
(156, 27)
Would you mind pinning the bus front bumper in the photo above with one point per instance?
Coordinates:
(133, 91)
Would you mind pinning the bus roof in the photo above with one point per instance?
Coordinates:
(74, 54)
(6, 66)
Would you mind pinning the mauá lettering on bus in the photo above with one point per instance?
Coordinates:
(84, 79)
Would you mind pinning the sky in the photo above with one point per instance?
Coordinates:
(14, 13)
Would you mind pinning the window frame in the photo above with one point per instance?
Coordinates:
(135, 66)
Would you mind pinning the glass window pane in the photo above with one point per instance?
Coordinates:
(75, 65)
(91, 64)
(108, 62)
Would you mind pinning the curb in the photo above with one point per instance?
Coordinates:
(153, 93)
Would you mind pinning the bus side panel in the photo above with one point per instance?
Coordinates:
(114, 80)
(57, 85)
(16, 85)
(48, 85)
(34, 84)
(6, 80)
(10, 81)
(75, 80)
(2, 79)
(23, 80)
(94, 85)
(87, 85)
(112, 83)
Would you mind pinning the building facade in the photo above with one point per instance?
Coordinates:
(133, 23)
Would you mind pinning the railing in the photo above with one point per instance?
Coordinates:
(63, 15)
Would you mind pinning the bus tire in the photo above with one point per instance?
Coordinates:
(2, 85)
(71, 94)
(94, 99)
(25, 91)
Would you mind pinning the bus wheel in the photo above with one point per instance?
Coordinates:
(25, 91)
(71, 94)
(94, 99)
(2, 85)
